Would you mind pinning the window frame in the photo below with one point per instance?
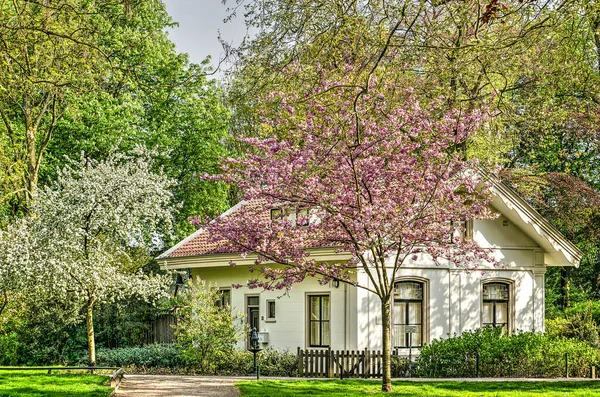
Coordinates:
(406, 302)
(309, 320)
(221, 302)
(510, 303)
(268, 317)
(468, 232)
(292, 215)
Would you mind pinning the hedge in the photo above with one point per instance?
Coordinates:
(489, 353)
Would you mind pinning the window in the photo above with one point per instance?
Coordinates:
(407, 314)
(319, 330)
(465, 226)
(275, 213)
(299, 217)
(224, 298)
(252, 313)
(270, 310)
(302, 217)
(496, 299)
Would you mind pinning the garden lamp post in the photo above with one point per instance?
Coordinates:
(254, 348)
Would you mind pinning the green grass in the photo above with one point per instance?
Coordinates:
(40, 384)
(352, 388)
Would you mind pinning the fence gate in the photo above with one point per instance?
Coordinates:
(341, 363)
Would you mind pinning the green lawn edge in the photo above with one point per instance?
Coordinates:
(28, 383)
(352, 388)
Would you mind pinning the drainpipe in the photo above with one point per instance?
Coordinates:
(449, 302)
(346, 325)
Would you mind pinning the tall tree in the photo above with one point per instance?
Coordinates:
(87, 232)
(79, 76)
(388, 189)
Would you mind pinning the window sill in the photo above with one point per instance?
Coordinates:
(270, 320)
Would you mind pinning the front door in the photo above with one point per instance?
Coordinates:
(252, 313)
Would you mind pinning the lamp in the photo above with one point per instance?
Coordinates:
(335, 283)
(254, 348)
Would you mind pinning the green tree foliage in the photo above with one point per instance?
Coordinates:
(205, 330)
(533, 66)
(89, 234)
(79, 76)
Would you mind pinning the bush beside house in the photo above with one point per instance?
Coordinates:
(523, 354)
(488, 353)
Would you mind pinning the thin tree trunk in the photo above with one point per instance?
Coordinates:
(90, 332)
(387, 345)
(32, 176)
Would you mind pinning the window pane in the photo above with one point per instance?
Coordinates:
(399, 312)
(495, 291)
(226, 297)
(408, 290)
(314, 308)
(302, 217)
(400, 336)
(275, 214)
(314, 333)
(326, 333)
(253, 301)
(488, 313)
(414, 312)
(325, 307)
(501, 312)
(271, 309)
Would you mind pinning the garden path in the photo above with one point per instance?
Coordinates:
(177, 386)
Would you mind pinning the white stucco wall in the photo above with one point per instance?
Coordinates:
(288, 331)
(454, 304)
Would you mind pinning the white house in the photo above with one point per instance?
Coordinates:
(438, 300)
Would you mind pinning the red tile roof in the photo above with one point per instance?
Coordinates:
(201, 243)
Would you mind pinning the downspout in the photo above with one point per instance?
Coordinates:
(346, 325)
(449, 302)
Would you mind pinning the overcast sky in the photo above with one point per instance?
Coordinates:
(199, 24)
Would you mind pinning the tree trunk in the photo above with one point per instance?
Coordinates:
(90, 332)
(32, 169)
(387, 345)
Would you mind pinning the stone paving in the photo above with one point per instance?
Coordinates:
(178, 386)
(206, 386)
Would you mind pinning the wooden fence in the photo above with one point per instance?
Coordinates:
(161, 330)
(346, 363)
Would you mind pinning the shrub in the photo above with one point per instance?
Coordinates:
(488, 353)
(151, 356)
(578, 324)
(206, 332)
(9, 349)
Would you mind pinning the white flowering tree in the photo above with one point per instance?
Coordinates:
(86, 233)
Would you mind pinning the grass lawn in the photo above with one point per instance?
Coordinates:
(352, 388)
(40, 384)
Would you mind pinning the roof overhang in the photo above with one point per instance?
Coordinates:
(558, 251)
(320, 254)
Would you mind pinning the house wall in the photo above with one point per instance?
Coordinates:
(454, 295)
(289, 330)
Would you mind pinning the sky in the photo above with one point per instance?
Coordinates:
(200, 22)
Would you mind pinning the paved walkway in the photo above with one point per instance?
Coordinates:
(178, 386)
(221, 386)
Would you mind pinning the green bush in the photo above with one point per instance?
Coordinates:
(206, 332)
(168, 358)
(271, 362)
(488, 353)
(151, 356)
(9, 349)
(579, 324)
